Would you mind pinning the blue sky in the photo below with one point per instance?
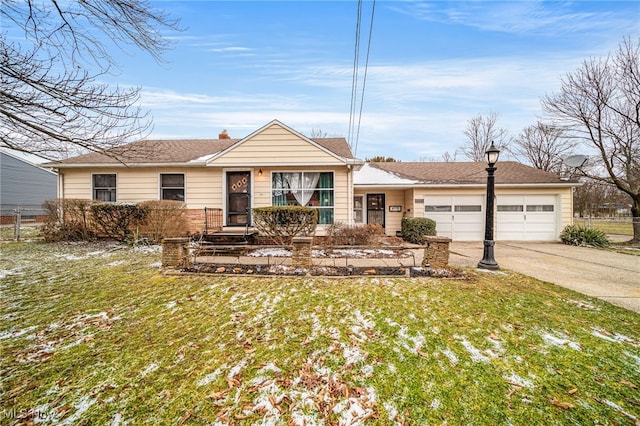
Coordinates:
(433, 66)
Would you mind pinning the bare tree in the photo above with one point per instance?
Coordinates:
(543, 146)
(447, 157)
(381, 159)
(317, 133)
(600, 105)
(481, 131)
(51, 102)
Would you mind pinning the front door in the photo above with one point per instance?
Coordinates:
(238, 198)
(375, 209)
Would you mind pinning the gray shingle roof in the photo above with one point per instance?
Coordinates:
(467, 172)
(178, 151)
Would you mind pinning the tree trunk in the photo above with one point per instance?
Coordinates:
(635, 220)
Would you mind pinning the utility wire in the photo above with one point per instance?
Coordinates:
(354, 76)
(364, 79)
(354, 125)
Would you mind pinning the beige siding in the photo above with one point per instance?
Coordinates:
(275, 146)
(203, 186)
(395, 197)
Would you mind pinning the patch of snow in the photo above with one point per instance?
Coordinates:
(367, 370)
(81, 407)
(417, 341)
(354, 411)
(302, 419)
(16, 333)
(352, 354)
(613, 337)
(270, 367)
(634, 357)
(475, 353)
(450, 355)
(153, 248)
(116, 420)
(561, 341)
(392, 411)
(369, 175)
(210, 377)
(620, 410)
(583, 305)
(517, 380)
(235, 370)
(435, 404)
(273, 252)
(116, 263)
(171, 304)
(149, 369)
(5, 272)
(156, 265)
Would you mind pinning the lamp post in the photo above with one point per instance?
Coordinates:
(488, 261)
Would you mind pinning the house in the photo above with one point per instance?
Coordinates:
(276, 165)
(24, 185)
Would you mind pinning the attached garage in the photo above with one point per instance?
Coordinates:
(531, 204)
(527, 217)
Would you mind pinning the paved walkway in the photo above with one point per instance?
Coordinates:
(610, 276)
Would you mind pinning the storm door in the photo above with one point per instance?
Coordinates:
(238, 198)
(375, 209)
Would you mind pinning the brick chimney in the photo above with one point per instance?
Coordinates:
(223, 134)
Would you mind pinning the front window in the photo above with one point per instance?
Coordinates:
(172, 186)
(104, 187)
(358, 210)
(312, 189)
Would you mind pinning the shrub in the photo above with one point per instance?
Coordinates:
(163, 219)
(282, 223)
(68, 220)
(116, 220)
(578, 235)
(341, 234)
(414, 228)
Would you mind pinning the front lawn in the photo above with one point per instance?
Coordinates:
(95, 334)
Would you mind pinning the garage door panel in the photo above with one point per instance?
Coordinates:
(527, 217)
(457, 217)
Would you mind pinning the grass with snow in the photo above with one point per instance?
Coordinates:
(95, 334)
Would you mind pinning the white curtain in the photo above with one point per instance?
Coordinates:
(302, 185)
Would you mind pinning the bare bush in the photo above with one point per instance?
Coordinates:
(163, 219)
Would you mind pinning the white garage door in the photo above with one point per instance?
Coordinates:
(460, 218)
(526, 218)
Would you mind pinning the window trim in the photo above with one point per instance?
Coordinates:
(331, 207)
(361, 209)
(161, 188)
(105, 188)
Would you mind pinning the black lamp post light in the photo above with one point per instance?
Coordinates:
(488, 261)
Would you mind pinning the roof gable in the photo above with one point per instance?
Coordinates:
(277, 144)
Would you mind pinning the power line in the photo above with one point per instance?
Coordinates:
(364, 79)
(354, 75)
(354, 125)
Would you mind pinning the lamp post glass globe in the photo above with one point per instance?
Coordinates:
(488, 261)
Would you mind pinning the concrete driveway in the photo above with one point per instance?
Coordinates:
(613, 277)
